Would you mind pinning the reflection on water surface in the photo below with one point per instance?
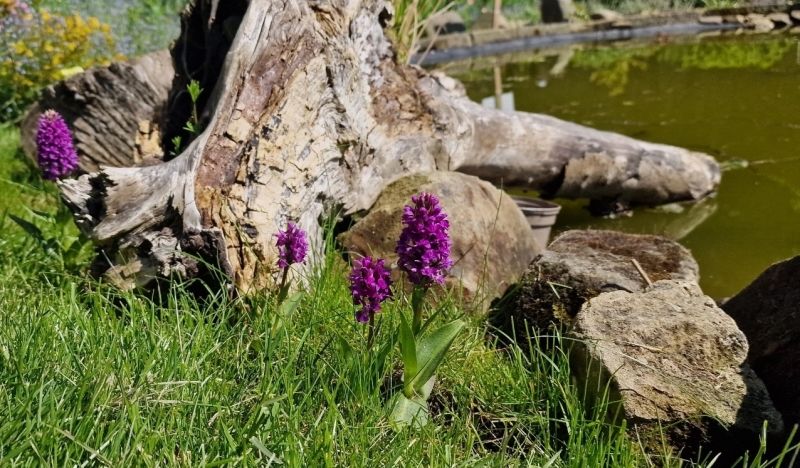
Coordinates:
(736, 98)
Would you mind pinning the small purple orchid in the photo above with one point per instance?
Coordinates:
(292, 246)
(370, 285)
(424, 245)
(57, 156)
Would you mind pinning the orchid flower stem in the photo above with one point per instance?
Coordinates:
(371, 333)
(284, 277)
(417, 301)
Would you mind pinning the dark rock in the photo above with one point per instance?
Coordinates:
(673, 363)
(557, 11)
(768, 312)
(579, 265)
(734, 19)
(492, 242)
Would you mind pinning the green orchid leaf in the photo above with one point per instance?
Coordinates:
(75, 248)
(429, 322)
(283, 292)
(347, 350)
(42, 215)
(431, 351)
(408, 352)
(285, 311)
(288, 306)
(53, 247)
(409, 412)
(427, 388)
(30, 228)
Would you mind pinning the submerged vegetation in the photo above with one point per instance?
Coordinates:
(612, 64)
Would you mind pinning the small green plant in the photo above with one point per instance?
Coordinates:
(62, 245)
(411, 17)
(193, 124)
(176, 146)
(421, 356)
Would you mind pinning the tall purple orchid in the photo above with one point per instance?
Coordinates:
(424, 254)
(57, 156)
(424, 245)
(424, 249)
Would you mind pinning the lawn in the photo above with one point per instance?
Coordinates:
(90, 376)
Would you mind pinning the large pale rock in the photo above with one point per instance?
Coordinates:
(604, 14)
(669, 356)
(492, 242)
(579, 265)
(760, 22)
(768, 312)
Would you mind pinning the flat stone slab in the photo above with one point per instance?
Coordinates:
(579, 265)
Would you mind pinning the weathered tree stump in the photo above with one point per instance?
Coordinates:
(311, 114)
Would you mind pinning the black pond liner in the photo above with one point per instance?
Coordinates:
(536, 42)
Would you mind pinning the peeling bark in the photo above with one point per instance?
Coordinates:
(310, 114)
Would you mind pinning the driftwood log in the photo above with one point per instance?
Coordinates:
(310, 114)
(113, 112)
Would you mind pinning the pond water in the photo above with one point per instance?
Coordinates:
(734, 97)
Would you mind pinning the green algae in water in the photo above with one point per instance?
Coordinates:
(734, 97)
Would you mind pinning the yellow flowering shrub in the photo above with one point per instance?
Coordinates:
(39, 48)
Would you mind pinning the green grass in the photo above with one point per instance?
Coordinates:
(95, 377)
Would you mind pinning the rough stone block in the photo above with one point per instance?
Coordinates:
(670, 358)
